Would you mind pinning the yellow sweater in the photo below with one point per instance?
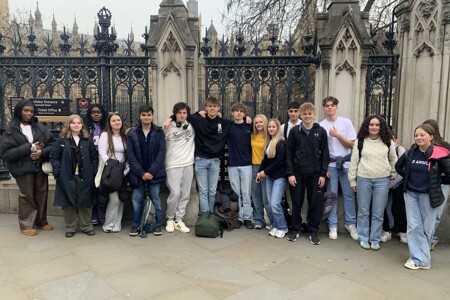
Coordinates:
(257, 149)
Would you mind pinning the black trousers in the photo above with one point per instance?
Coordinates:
(398, 212)
(308, 183)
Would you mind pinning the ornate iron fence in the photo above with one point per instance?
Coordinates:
(73, 69)
(265, 84)
(380, 81)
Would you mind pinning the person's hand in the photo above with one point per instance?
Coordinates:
(321, 182)
(354, 189)
(261, 174)
(392, 177)
(202, 113)
(248, 120)
(328, 175)
(334, 132)
(36, 155)
(292, 180)
(167, 122)
(147, 176)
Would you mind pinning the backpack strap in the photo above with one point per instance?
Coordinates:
(360, 146)
(286, 126)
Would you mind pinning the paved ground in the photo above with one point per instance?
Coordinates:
(245, 264)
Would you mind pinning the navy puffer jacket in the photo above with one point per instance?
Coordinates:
(438, 170)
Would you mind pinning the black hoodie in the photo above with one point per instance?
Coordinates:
(15, 148)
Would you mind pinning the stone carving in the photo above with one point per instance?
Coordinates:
(172, 49)
(346, 53)
(427, 7)
(424, 47)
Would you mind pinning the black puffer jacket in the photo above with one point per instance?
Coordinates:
(438, 171)
(15, 148)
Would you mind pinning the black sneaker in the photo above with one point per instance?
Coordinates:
(238, 224)
(304, 228)
(314, 238)
(134, 231)
(157, 230)
(292, 235)
(249, 224)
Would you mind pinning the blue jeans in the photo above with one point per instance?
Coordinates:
(421, 218)
(241, 183)
(207, 175)
(138, 200)
(275, 189)
(372, 199)
(440, 210)
(348, 197)
(260, 201)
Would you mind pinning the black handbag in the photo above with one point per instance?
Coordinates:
(112, 176)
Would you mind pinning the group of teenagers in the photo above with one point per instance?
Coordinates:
(398, 190)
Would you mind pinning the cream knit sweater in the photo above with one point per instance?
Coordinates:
(374, 162)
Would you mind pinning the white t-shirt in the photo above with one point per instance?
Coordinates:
(345, 127)
(290, 126)
(26, 130)
(119, 150)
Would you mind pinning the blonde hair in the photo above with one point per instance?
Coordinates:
(272, 150)
(307, 106)
(66, 133)
(255, 131)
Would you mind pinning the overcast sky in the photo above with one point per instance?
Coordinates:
(125, 13)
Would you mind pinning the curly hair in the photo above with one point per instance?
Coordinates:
(385, 133)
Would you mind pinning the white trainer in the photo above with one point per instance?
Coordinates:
(403, 238)
(170, 226)
(179, 225)
(333, 234)
(385, 236)
(273, 231)
(351, 228)
(281, 233)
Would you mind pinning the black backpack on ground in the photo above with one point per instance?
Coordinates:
(227, 205)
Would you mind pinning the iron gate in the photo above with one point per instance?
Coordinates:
(265, 84)
(83, 67)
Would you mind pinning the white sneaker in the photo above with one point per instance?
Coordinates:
(170, 226)
(351, 228)
(403, 238)
(385, 236)
(179, 225)
(273, 231)
(333, 234)
(410, 264)
(281, 233)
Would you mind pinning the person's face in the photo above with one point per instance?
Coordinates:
(293, 115)
(272, 128)
(115, 122)
(259, 124)
(212, 109)
(181, 115)
(238, 115)
(75, 126)
(422, 138)
(374, 127)
(146, 118)
(307, 117)
(96, 114)
(27, 113)
(330, 109)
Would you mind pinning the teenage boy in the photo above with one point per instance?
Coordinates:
(146, 150)
(240, 163)
(294, 119)
(179, 167)
(306, 167)
(211, 132)
(341, 135)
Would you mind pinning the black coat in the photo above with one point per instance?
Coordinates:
(438, 171)
(275, 167)
(62, 159)
(15, 148)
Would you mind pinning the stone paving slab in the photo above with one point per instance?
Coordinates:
(245, 264)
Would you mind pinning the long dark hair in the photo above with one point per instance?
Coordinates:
(437, 137)
(88, 118)
(110, 134)
(385, 132)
